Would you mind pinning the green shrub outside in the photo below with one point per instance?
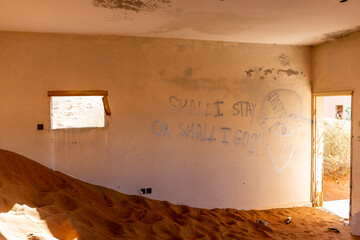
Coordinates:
(336, 154)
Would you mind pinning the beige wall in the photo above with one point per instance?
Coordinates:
(336, 68)
(261, 156)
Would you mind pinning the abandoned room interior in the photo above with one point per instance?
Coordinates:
(195, 106)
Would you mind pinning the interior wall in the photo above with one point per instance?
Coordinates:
(207, 124)
(336, 68)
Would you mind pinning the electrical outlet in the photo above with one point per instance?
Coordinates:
(40, 127)
(145, 191)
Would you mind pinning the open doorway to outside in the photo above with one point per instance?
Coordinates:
(332, 152)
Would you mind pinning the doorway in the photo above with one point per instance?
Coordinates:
(331, 183)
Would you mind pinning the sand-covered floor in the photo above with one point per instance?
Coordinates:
(38, 203)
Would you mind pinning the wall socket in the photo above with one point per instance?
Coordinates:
(145, 191)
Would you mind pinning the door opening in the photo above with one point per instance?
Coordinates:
(331, 172)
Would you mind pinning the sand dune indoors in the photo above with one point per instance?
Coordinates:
(38, 203)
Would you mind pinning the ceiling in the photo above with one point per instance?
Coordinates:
(299, 22)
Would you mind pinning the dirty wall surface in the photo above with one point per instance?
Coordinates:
(336, 68)
(207, 124)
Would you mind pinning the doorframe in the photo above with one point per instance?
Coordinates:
(314, 200)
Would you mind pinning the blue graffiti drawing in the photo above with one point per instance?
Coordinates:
(280, 125)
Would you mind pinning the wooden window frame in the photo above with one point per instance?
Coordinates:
(102, 93)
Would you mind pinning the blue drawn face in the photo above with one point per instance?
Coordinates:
(281, 136)
(282, 129)
(281, 113)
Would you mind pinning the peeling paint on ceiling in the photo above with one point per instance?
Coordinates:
(305, 22)
(132, 5)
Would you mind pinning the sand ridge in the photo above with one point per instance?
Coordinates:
(38, 203)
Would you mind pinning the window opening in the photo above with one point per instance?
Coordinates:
(78, 109)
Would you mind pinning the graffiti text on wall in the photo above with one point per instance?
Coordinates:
(193, 107)
(205, 132)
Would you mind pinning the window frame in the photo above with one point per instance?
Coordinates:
(85, 93)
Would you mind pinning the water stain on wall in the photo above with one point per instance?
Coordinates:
(132, 5)
(162, 72)
(284, 59)
(195, 84)
(270, 73)
(188, 72)
(289, 72)
(181, 48)
(189, 82)
(213, 23)
(249, 72)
